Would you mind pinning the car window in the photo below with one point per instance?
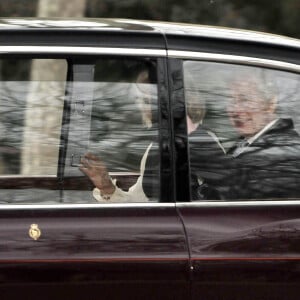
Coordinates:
(32, 95)
(55, 113)
(31, 108)
(244, 125)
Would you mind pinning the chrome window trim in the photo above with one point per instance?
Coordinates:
(236, 59)
(229, 203)
(21, 176)
(200, 204)
(81, 50)
(214, 57)
(33, 176)
(85, 206)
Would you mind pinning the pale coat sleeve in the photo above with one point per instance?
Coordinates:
(135, 192)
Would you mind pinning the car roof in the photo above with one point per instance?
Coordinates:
(144, 26)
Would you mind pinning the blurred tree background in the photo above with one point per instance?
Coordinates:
(274, 16)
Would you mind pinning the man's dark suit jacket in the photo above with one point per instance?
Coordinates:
(207, 166)
(270, 167)
(267, 169)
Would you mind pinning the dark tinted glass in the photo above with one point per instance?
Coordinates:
(244, 132)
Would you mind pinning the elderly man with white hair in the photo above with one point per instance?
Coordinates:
(266, 160)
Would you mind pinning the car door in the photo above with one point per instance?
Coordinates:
(56, 238)
(240, 206)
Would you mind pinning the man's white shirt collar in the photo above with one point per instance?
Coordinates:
(261, 132)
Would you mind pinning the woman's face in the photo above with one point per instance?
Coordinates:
(145, 97)
(144, 103)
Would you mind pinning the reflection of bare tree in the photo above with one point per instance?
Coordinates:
(117, 132)
(11, 124)
(277, 237)
(61, 8)
(43, 117)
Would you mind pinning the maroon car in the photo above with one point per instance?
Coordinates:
(203, 152)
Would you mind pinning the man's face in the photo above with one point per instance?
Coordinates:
(249, 113)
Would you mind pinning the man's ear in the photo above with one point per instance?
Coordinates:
(272, 105)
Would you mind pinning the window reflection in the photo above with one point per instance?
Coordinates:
(32, 95)
(31, 108)
(47, 127)
(124, 129)
(251, 113)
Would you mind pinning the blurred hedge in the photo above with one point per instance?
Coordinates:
(278, 16)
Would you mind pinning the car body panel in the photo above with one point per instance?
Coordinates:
(146, 27)
(81, 245)
(234, 243)
(175, 249)
(239, 249)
